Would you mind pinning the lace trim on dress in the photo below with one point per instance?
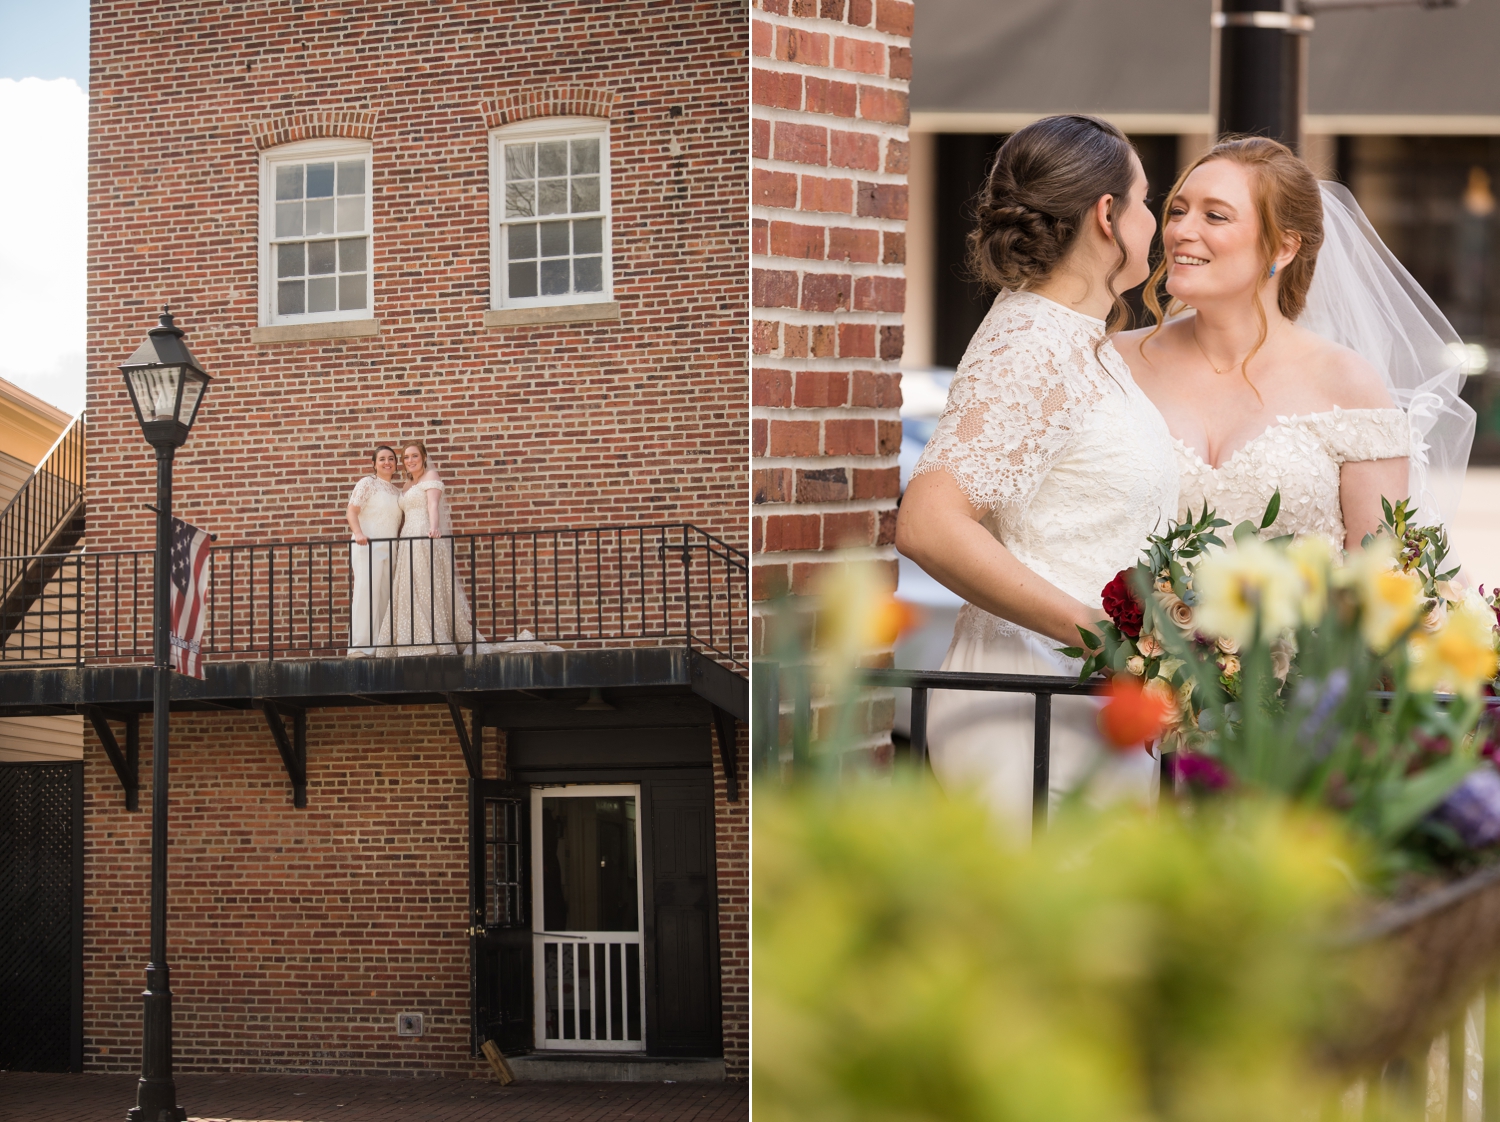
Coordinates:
(367, 488)
(1028, 378)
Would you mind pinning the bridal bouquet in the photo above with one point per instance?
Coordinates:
(1154, 601)
(1282, 667)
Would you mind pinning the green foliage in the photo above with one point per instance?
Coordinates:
(909, 965)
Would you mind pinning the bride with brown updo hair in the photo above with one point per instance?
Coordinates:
(1049, 467)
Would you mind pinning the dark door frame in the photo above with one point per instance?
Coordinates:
(647, 778)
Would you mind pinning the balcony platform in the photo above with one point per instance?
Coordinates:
(519, 684)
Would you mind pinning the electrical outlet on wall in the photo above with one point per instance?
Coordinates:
(408, 1024)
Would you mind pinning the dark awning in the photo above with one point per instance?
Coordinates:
(1151, 57)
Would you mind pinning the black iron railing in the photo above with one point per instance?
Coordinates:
(467, 594)
(768, 745)
(42, 521)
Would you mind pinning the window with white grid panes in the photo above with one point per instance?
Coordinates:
(317, 245)
(551, 213)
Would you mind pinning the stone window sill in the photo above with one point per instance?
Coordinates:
(306, 332)
(557, 313)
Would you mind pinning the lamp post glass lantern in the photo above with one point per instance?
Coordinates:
(166, 387)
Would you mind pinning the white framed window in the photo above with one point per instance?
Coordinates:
(316, 247)
(550, 213)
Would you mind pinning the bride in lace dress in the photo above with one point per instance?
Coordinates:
(1336, 387)
(1049, 466)
(430, 610)
(374, 511)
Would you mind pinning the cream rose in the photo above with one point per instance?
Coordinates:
(1136, 665)
(1230, 665)
(1176, 611)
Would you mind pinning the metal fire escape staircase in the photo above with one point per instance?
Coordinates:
(41, 525)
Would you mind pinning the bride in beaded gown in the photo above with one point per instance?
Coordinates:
(1341, 392)
(1049, 466)
(430, 613)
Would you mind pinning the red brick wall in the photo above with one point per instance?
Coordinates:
(641, 419)
(828, 190)
(296, 936)
(280, 916)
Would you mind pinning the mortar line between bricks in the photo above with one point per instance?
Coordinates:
(827, 26)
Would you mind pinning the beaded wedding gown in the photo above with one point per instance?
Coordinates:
(379, 506)
(1299, 456)
(430, 610)
(1046, 430)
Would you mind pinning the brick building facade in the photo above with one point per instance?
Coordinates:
(829, 152)
(316, 191)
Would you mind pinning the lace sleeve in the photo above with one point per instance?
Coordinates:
(1012, 410)
(363, 491)
(1352, 435)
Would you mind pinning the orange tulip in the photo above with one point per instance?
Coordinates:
(892, 618)
(1132, 715)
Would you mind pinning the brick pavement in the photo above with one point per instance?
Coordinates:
(325, 1098)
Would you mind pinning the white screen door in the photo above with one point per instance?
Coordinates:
(590, 970)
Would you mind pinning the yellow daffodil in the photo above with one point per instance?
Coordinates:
(1460, 655)
(1313, 556)
(1236, 586)
(1389, 599)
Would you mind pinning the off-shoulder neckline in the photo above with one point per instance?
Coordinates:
(1284, 421)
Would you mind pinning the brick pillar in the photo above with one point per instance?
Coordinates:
(829, 154)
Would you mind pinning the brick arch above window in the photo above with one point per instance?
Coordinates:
(313, 124)
(549, 101)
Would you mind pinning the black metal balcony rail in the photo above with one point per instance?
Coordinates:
(644, 585)
(768, 748)
(43, 520)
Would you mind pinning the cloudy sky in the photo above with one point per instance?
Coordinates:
(44, 64)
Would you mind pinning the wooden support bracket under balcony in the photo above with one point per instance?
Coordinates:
(127, 764)
(293, 747)
(729, 752)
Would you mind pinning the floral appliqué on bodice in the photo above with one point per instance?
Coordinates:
(1046, 430)
(1299, 456)
(379, 506)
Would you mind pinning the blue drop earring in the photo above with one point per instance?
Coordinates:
(1273, 268)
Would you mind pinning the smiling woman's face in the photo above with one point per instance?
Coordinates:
(412, 458)
(1211, 235)
(385, 463)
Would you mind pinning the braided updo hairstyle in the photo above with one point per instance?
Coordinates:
(1040, 191)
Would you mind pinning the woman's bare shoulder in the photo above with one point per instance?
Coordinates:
(1143, 347)
(1345, 378)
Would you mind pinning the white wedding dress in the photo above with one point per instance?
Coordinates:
(1046, 430)
(1299, 456)
(379, 506)
(430, 610)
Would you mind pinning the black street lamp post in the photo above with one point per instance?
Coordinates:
(1263, 45)
(1262, 69)
(166, 387)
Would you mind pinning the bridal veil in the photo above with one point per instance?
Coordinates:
(1364, 299)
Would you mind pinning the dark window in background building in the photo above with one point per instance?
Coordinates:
(1432, 199)
(963, 160)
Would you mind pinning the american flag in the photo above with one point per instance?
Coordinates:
(188, 590)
